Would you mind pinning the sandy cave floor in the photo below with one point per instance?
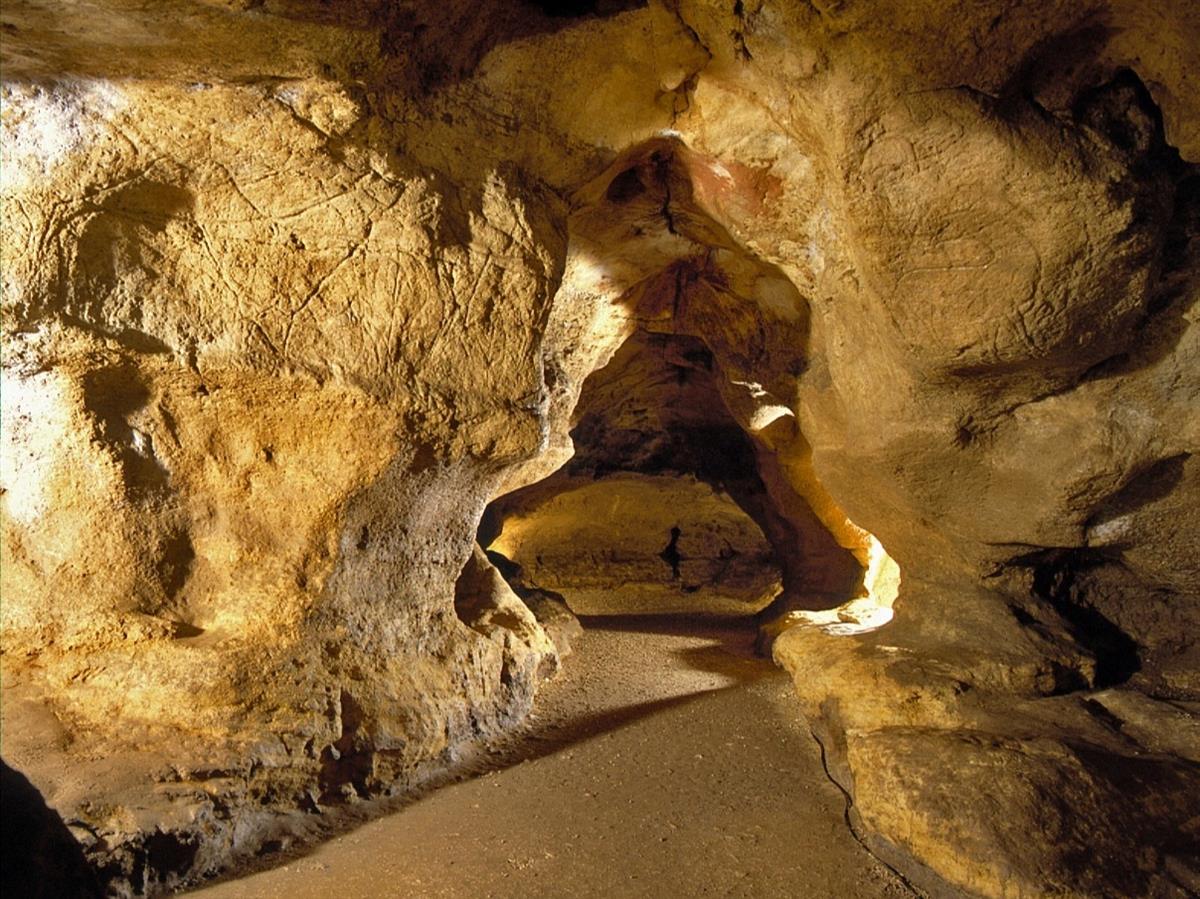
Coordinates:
(665, 760)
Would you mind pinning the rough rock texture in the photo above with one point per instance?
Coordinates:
(632, 544)
(292, 293)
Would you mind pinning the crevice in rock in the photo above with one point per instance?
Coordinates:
(346, 763)
(1056, 580)
(739, 33)
(850, 816)
(661, 163)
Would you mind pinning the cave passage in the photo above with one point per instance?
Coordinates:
(363, 361)
(662, 509)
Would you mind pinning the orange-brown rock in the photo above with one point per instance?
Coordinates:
(636, 544)
(291, 294)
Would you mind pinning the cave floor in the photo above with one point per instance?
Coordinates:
(665, 760)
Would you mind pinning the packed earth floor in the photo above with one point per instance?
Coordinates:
(664, 760)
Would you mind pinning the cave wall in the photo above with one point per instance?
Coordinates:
(290, 294)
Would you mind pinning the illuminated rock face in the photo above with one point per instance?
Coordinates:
(631, 544)
(291, 296)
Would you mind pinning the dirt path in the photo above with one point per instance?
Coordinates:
(665, 761)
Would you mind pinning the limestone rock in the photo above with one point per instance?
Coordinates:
(292, 294)
(958, 800)
(634, 544)
(486, 603)
(978, 757)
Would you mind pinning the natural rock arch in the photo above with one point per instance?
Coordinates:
(660, 277)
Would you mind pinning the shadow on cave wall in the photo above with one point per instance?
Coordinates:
(428, 45)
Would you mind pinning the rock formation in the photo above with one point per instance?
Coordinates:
(589, 543)
(661, 508)
(293, 291)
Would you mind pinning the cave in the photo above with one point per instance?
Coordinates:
(662, 508)
(600, 448)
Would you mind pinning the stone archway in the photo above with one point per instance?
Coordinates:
(693, 350)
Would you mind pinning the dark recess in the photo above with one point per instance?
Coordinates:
(671, 555)
(569, 9)
(1056, 579)
(625, 186)
(40, 857)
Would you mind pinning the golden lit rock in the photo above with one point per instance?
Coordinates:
(638, 545)
(888, 309)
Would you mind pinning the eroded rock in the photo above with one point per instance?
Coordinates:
(634, 544)
(291, 296)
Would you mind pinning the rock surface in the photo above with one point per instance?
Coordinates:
(632, 544)
(292, 294)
